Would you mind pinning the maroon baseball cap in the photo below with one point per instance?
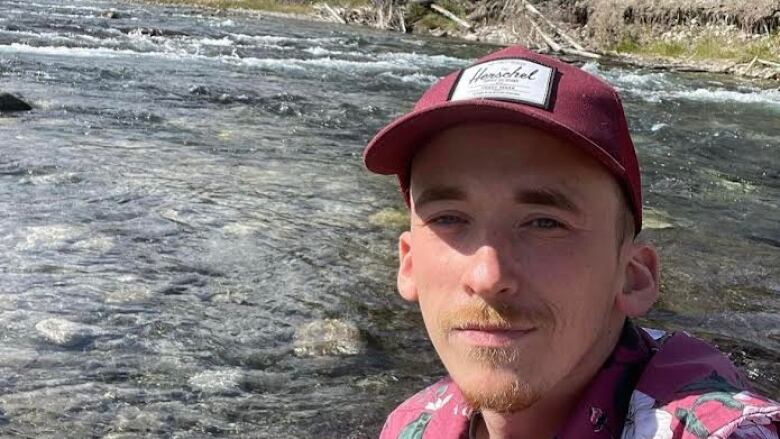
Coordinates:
(516, 85)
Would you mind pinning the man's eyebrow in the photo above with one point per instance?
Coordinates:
(439, 193)
(546, 197)
(541, 197)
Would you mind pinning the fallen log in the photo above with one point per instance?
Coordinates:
(530, 8)
(768, 63)
(547, 39)
(582, 53)
(334, 14)
(750, 66)
(459, 21)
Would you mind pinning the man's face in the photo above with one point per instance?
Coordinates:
(513, 257)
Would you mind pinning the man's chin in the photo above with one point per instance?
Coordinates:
(493, 392)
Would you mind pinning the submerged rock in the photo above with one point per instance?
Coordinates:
(153, 32)
(656, 219)
(218, 382)
(390, 218)
(199, 90)
(65, 333)
(113, 15)
(49, 237)
(328, 337)
(262, 382)
(10, 103)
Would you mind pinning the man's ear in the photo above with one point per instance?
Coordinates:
(641, 283)
(406, 285)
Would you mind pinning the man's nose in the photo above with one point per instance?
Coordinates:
(489, 273)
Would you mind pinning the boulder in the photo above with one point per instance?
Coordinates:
(10, 103)
(218, 382)
(201, 90)
(65, 333)
(328, 337)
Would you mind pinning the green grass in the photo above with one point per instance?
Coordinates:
(705, 48)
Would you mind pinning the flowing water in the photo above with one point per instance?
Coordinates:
(189, 189)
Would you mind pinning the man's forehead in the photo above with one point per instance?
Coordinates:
(511, 148)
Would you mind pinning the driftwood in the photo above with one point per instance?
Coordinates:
(750, 66)
(582, 53)
(768, 63)
(459, 21)
(547, 39)
(560, 49)
(530, 8)
(577, 50)
(334, 14)
(401, 22)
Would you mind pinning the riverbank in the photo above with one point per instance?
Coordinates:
(689, 35)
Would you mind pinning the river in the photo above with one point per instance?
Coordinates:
(189, 189)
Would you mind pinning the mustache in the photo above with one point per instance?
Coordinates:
(500, 315)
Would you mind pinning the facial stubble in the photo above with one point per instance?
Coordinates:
(512, 390)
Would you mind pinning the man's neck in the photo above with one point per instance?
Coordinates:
(545, 417)
(540, 421)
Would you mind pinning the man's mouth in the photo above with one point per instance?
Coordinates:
(488, 335)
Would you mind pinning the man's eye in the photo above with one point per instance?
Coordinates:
(545, 223)
(446, 220)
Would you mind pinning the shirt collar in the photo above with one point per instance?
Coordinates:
(601, 411)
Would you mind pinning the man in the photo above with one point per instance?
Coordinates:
(525, 202)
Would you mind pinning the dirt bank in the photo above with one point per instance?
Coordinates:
(721, 36)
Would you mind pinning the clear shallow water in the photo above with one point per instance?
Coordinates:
(190, 185)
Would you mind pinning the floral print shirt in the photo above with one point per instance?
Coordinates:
(653, 386)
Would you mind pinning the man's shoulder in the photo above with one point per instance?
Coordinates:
(690, 390)
(438, 408)
(707, 415)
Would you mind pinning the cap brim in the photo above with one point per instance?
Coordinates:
(392, 149)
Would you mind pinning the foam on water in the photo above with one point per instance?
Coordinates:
(48, 237)
(324, 63)
(262, 39)
(276, 39)
(771, 97)
(628, 78)
(416, 59)
(49, 15)
(410, 60)
(656, 87)
(225, 41)
(416, 78)
(321, 51)
(101, 52)
(59, 6)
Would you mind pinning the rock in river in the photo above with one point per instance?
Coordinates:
(111, 14)
(65, 333)
(328, 337)
(220, 382)
(10, 103)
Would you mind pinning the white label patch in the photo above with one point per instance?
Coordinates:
(507, 80)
